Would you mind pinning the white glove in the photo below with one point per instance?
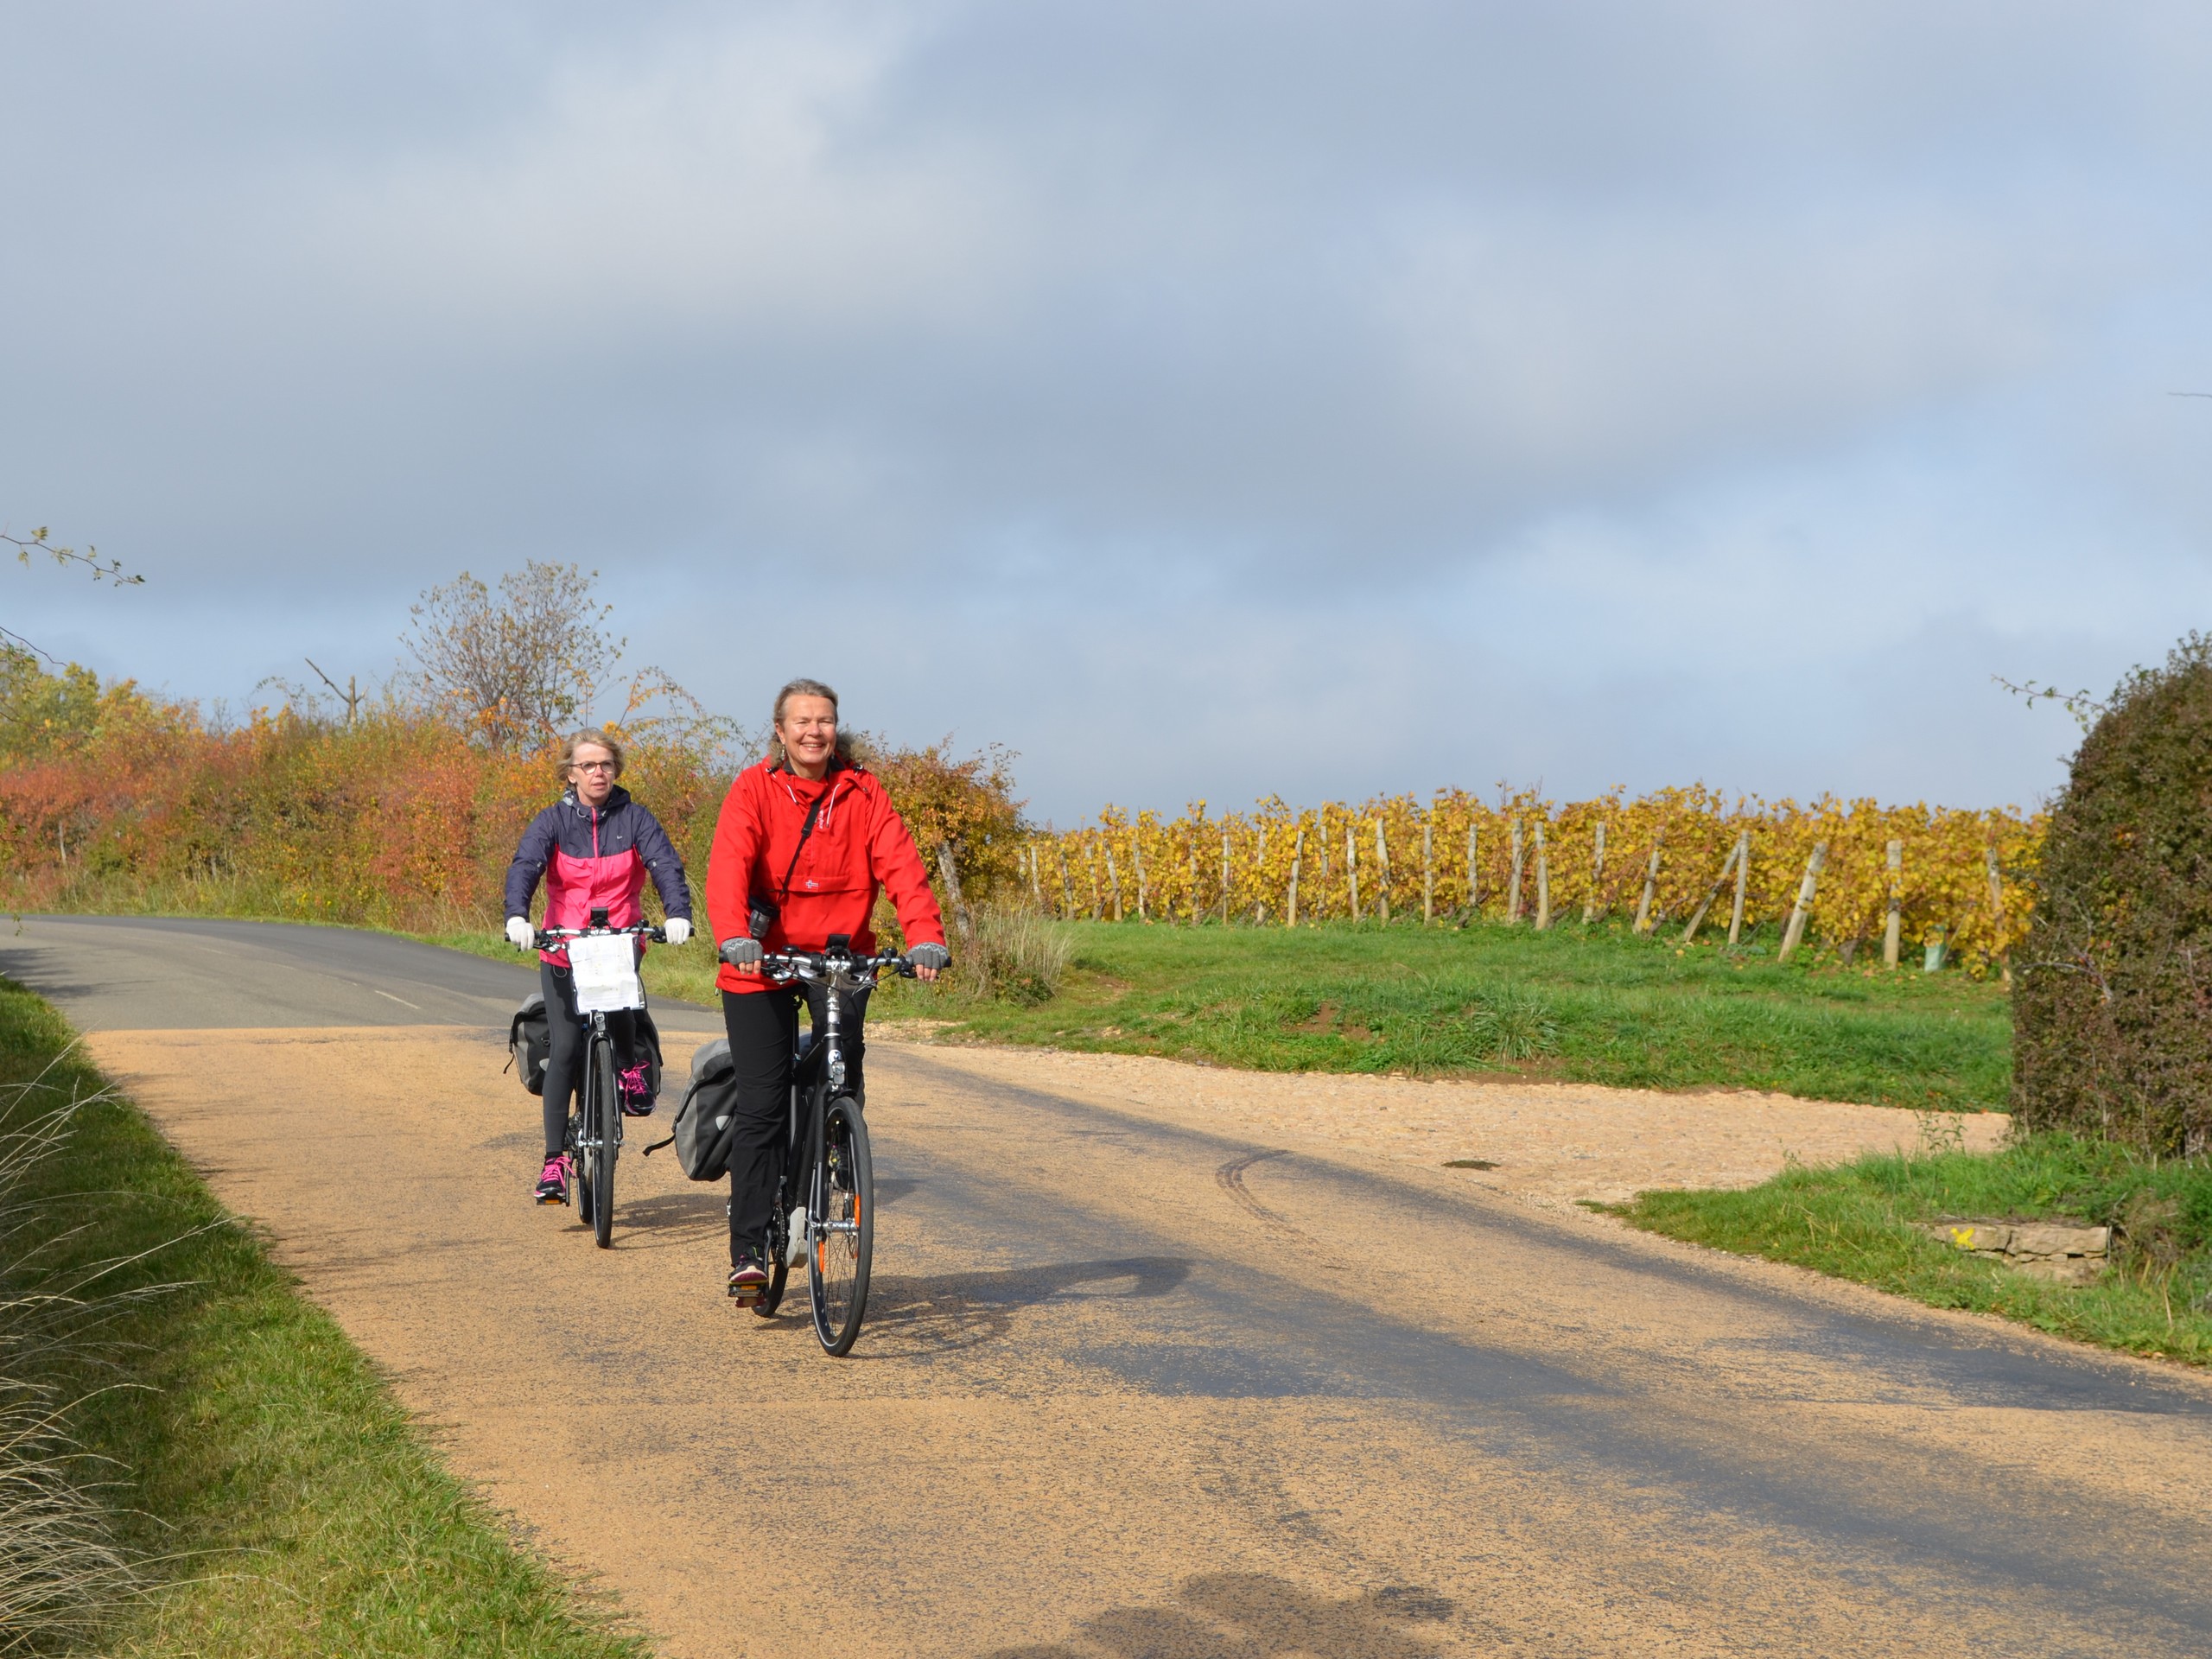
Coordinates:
(519, 934)
(678, 928)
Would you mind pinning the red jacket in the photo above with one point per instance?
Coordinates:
(859, 845)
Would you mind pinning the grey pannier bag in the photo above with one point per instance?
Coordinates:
(705, 1122)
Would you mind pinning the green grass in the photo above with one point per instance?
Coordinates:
(1854, 1221)
(1573, 1005)
(257, 1451)
(1600, 1006)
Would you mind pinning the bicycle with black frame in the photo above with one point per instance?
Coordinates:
(825, 1199)
(607, 981)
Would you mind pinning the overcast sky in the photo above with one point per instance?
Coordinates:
(1203, 399)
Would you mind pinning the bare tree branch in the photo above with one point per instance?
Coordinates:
(108, 571)
(518, 666)
(2084, 707)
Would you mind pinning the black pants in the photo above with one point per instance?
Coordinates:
(763, 1038)
(564, 1048)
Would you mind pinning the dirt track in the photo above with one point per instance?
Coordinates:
(1168, 1362)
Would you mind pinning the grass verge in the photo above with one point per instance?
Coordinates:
(1583, 1005)
(257, 1455)
(1854, 1221)
(1597, 1005)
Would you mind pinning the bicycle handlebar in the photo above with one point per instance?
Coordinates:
(822, 964)
(546, 938)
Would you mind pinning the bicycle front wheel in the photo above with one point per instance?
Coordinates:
(841, 1226)
(603, 1114)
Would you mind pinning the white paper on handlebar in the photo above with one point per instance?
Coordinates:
(606, 972)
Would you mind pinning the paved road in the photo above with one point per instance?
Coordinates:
(139, 973)
(1133, 1387)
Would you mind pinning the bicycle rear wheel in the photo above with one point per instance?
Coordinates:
(602, 1113)
(841, 1206)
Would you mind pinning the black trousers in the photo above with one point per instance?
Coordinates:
(564, 1048)
(763, 1029)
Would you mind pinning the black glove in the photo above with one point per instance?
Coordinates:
(930, 956)
(741, 953)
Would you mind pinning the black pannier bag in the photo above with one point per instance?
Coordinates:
(706, 1121)
(530, 1040)
(648, 1038)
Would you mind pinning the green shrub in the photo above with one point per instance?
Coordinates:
(2113, 1013)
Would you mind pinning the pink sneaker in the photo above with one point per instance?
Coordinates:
(553, 1182)
(636, 1090)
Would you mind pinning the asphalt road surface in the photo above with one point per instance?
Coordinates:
(1135, 1388)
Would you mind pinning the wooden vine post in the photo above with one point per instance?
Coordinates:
(1259, 905)
(950, 871)
(1191, 846)
(1067, 889)
(1297, 857)
(1543, 881)
(1892, 929)
(1382, 873)
(1351, 873)
(1225, 876)
(1650, 890)
(1136, 857)
(1794, 935)
(1428, 868)
(1996, 910)
(1591, 911)
(1113, 876)
(1743, 880)
(1513, 893)
(1036, 880)
(1474, 884)
(1697, 918)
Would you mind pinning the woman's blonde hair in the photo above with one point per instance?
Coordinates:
(598, 734)
(845, 752)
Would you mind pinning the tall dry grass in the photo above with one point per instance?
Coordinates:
(1014, 956)
(62, 1571)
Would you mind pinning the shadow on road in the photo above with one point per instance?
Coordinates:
(943, 1312)
(666, 1219)
(663, 1220)
(1254, 1616)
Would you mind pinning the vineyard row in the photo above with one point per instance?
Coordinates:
(1851, 876)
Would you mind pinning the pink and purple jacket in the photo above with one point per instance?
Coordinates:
(594, 858)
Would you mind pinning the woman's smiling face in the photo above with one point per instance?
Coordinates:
(809, 731)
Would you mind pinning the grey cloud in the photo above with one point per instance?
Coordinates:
(1253, 369)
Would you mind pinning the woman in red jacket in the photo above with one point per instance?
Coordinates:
(806, 841)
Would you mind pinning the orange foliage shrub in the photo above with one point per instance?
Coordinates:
(111, 799)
